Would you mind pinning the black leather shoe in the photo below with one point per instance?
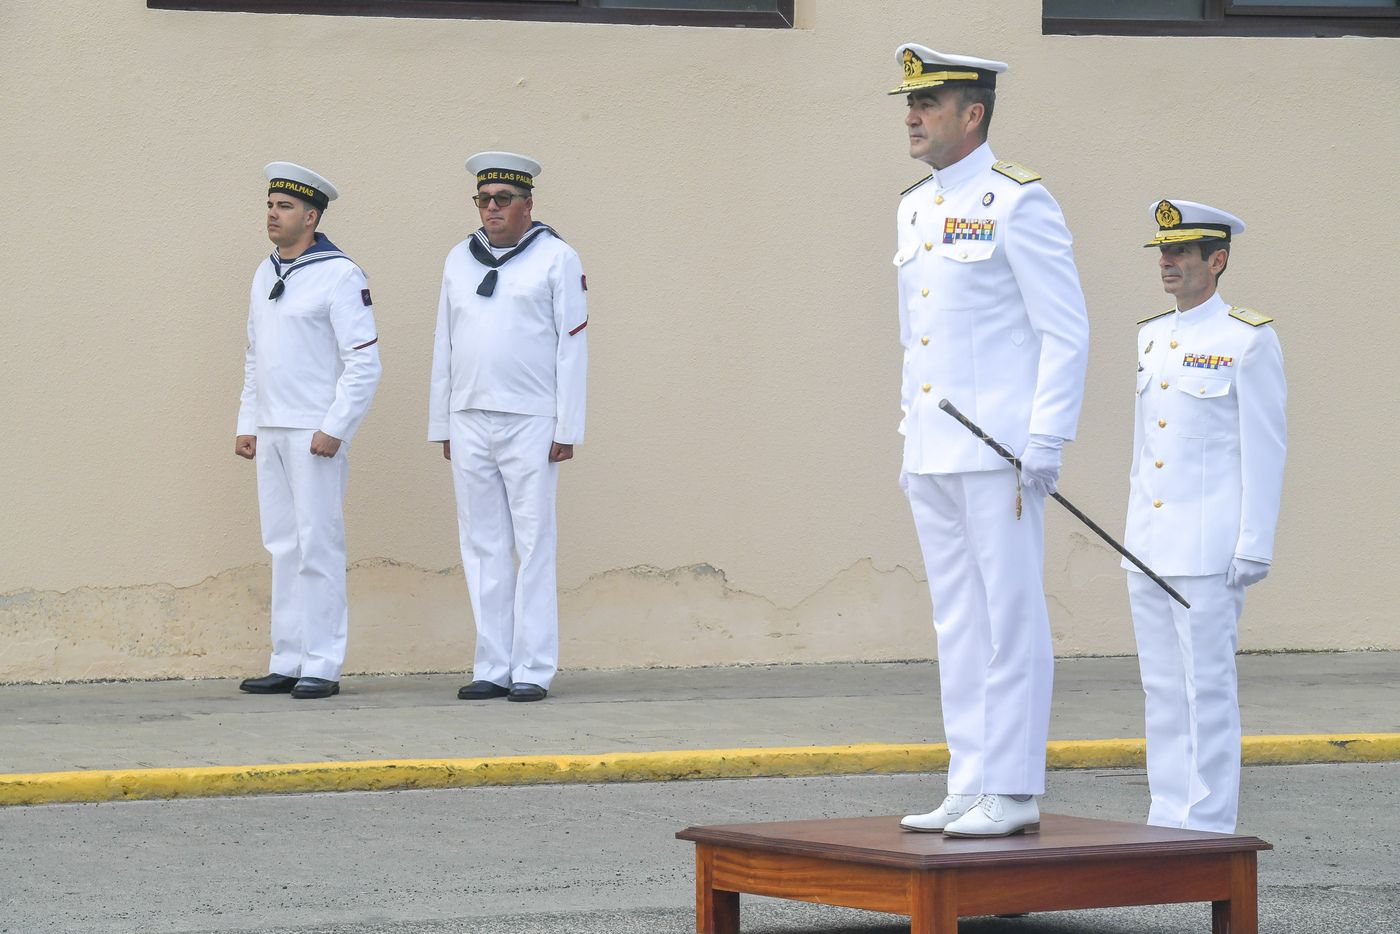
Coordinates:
(315, 687)
(481, 690)
(521, 691)
(268, 684)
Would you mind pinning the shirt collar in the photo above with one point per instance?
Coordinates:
(1209, 308)
(966, 168)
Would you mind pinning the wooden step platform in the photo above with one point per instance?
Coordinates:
(1074, 862)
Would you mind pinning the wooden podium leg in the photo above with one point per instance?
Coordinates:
(716, 912)
(1240, 913)
(935, 902)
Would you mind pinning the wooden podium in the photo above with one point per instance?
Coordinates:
(869, 862)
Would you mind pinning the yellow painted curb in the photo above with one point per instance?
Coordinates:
(863, 759)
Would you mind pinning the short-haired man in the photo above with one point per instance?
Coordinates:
(510, 360)
(1209, 439)
(310, 372)
(991, 317)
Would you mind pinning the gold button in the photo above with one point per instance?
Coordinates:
(938, 199)
(928, 244)
(1159, 465)
(927, 387)
(924, 341)
(1173, 345)
(1165, 384)
(925, 293)
(1203, 390)
(1156, 504)
(1161, 423)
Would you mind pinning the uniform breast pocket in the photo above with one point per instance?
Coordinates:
(1143, 379)
(968, 251)
(1207, 405)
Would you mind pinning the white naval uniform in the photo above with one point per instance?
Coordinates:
(508, 379)
(992, 317)
(312, 364)
(1209, 439)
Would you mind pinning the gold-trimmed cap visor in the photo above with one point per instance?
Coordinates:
(924, 68)
(1190, 221)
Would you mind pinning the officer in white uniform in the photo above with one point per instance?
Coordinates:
(510, 360)
(991, 317)
(310, 372)
(1208, 447)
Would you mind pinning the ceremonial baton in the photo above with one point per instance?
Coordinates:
(992, 443)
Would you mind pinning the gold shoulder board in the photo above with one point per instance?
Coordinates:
(915, 185)
(1249, 316)
(1017, 173)
(1156, 316)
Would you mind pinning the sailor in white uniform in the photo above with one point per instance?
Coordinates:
(991, 317)
(510, 360)
(310, 372)
(1209, 439)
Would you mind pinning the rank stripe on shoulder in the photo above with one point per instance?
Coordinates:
(1249, 316)
(1016, 172)
(915, 185)
(1156, 316)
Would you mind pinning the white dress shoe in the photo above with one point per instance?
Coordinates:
(996, 816)
(953, 807)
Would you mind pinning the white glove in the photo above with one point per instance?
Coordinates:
(1040, 465)
(1244, 572)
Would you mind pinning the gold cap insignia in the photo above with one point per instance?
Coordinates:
(1167, 214)
(912, 66)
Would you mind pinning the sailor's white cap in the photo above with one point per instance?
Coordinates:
(300, 181)
(509, 168)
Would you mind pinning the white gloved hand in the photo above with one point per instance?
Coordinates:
(1040, 465)
(1244, 572)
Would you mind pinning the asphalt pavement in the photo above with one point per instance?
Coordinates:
(602, 859)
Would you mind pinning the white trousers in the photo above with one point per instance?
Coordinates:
(995, 661)
(303, 529)
(1187, 660)
(506, 489)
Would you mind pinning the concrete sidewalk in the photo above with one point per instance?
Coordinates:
(753, 714)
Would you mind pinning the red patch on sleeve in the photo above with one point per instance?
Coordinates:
(583, 281)
(579, 328)
(364, 297)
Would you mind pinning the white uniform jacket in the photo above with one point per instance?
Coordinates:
(991, 315)
(1209, 438)
(521, 349)
(312, 359)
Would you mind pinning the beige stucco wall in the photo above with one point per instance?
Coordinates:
(732, 195)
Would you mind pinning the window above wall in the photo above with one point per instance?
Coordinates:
(1221, 17)
(776, 14)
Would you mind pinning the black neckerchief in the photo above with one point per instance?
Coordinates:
(320, 250)
(480, 245)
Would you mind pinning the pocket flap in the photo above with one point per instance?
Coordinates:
(969, 251)
(1203, 387)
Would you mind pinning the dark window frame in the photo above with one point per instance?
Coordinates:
(557, 11)
(1226, 18)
